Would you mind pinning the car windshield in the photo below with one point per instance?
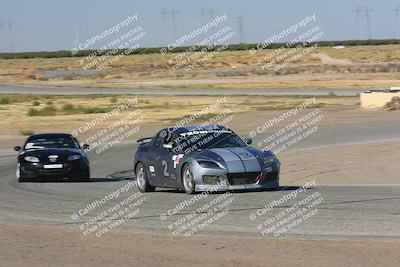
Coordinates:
(51, 142)
(203, 140)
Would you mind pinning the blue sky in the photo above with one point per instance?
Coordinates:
(48, 25)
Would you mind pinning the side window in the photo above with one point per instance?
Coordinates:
(157, 140)
(176, 139)
(160, 137)
(76, 143)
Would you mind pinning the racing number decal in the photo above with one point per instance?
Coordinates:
(165, 166)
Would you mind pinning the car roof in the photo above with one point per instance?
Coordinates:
(46, 135)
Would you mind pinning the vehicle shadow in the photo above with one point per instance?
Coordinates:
(282, 188)
(113, 177)
(92, 180)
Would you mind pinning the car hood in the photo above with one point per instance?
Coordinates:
(234, 159)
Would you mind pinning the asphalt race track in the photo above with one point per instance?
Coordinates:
(356, 212)
(4, 89)
(346, 212)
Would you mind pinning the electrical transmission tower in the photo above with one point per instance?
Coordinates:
(211, 12)
(202, 13)
(170, 14)
(396, 11)
(9, 25)
(364, 12)
(77, 33)
(2, 23)
(164, 14)
(240, 28)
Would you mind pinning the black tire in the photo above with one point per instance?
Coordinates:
(21, 176)
(86, 177)
(23, 180)
(187, 180)
(142, 181)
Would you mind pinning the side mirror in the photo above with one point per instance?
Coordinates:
(85, 146)
(17, 148)
(167, 146)
(248, 141)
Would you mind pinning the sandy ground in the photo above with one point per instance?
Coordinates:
(360, 164)
(50, 246)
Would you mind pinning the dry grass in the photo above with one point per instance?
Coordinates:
(370, 66)
(15, 118)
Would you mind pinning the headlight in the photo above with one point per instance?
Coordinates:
(269, 159)
(74, 157)
(208, 164)
(31, 159)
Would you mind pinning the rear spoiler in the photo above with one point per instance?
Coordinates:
(144, 140)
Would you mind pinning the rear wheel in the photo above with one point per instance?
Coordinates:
(141, 179)
(188, 180)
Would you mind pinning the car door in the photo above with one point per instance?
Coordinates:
(164, 165)
(151, 160)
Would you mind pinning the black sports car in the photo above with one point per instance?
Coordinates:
(203, 158)
(53, 155)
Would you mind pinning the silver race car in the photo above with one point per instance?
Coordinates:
(203, 158)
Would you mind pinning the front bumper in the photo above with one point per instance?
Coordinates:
(267, 178)
(68, 170)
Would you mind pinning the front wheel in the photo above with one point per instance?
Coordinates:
(86, 176)
(141, 179)
(20, 175)
(188, 180)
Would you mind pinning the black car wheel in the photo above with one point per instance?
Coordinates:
(188, 180)
(141, 179)
(86, 176)
(20, 175)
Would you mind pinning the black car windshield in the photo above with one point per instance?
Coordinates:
(204, 140)
(51, 142)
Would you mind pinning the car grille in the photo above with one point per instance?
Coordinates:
(243, 178)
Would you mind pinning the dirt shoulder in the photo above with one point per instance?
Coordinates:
(349, 165)
(55, 246)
